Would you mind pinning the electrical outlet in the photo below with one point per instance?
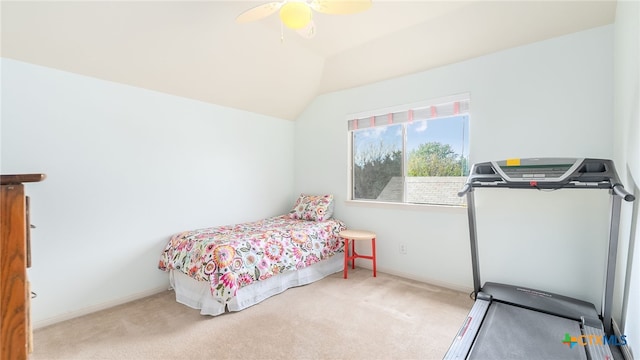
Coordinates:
(403, 249)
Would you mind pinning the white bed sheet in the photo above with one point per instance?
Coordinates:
(197, 294)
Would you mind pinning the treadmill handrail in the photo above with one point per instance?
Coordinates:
(619, 190)
(465, 189)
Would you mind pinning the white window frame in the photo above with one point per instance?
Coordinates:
(391, 110)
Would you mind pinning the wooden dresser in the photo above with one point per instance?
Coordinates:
(15, 326)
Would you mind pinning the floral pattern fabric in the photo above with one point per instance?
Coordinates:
(313, 207)
(233, 256)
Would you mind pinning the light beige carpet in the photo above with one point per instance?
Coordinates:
(359, 318)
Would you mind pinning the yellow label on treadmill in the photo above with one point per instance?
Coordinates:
(513, 162)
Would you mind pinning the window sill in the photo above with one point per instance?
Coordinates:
(406, 206)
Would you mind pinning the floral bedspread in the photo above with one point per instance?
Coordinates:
(233, 256)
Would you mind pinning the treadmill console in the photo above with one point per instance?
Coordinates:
(544, 173)
(556, 169)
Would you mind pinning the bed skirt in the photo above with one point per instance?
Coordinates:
(197, 294)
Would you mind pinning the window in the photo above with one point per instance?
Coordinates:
(416, 153)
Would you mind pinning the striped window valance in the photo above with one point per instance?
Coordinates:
(459, 105)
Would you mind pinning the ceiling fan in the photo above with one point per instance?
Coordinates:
(298, 14)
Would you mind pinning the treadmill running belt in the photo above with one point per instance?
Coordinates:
(511, 332)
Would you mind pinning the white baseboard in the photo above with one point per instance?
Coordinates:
(102, 306)
(109, 304)
(444, 284)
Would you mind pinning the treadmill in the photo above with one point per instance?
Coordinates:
(514, 322)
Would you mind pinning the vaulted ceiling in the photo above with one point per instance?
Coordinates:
(195, 49)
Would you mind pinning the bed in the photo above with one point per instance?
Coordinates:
(232, 267)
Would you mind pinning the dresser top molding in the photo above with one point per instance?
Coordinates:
(21, 178)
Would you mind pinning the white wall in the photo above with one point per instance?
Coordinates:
(127, 168)
(627, 154)
(552, 98)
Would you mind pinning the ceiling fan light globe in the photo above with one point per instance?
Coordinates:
(295, 15)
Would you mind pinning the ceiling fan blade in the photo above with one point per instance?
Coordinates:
(258, 12)
(340, 6)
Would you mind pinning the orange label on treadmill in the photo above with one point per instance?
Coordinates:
(513, 162)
